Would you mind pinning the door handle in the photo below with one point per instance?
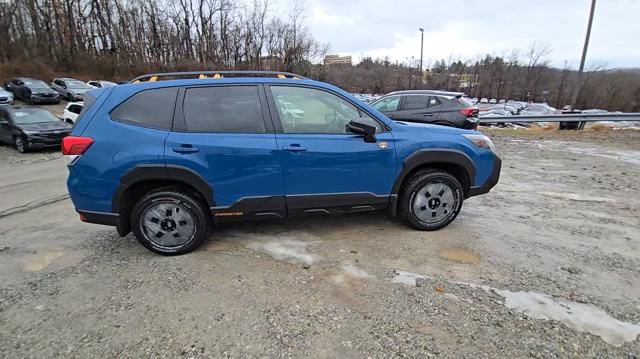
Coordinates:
(294, 148)
(427, 114)
(185, 149)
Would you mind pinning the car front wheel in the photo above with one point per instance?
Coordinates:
(430, 199)
(21, 145)
(170, 221)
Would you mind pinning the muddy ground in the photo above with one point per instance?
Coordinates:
(546, 265)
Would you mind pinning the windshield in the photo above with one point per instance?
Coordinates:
(37, 84)
(25, 117)
(74, 84)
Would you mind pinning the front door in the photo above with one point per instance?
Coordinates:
(325, 168)
(223, 133)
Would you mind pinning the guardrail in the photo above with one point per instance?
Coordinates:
(573, 117)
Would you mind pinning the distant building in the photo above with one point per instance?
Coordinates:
(337, 60)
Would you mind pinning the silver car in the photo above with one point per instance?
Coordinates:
(6, 97)
(70, 89)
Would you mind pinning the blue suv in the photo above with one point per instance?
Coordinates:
(170, 154)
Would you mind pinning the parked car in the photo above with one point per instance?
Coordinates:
(6, 97)
(71, 112)
(30, 128)
(32, 91)
(429, 106)
(187, 152)
(70, 89)
(101, 83)
(484, 100)
(493, 101)
(474, 100)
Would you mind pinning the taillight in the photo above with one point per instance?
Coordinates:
(469, 112)
(75, 146)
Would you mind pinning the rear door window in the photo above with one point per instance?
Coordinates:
(223, 109)
(149, 108)
(415, 102)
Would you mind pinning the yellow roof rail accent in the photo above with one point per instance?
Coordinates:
(153, 79)
(202, 76)
(217, 76)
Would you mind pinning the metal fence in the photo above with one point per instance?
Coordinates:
(573, 117)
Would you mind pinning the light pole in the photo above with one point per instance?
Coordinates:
(584, 56)
(421, 50)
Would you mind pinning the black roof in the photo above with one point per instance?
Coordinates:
(426, 92)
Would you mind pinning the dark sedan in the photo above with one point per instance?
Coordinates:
(32, 91)
(31, 128)
(429, 106)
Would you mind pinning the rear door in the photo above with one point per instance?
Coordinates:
(326, 168)
(224, 134)
(6, 135)
(415, 108)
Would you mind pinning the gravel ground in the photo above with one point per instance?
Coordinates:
(561, 226)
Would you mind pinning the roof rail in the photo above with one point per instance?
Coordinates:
(214, 75)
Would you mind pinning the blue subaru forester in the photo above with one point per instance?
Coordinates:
(169, 154)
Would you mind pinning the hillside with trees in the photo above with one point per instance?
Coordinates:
(118, 39)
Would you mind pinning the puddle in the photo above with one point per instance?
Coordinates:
(40, 261)
(349, 272)
(577, 197)
(578, 316)
(408, 278)
(460, 255)
(287, 250)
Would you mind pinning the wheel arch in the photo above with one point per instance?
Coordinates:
(453, 161)
(142, 179)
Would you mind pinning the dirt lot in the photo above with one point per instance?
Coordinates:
(546, 265)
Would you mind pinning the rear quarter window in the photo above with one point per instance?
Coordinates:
(148, 108)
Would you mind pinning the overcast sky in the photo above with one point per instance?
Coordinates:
(468, 28)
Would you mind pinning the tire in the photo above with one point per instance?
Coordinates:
(69, 97)
(169, 221)
(436, 210)
(21, 145)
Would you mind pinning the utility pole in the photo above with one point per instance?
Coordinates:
(576, 92)
(421, 52)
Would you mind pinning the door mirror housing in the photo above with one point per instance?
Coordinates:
(360, 128)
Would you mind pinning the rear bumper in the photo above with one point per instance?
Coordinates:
(491, 181)
(107, 219)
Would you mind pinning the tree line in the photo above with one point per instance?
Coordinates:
(118, 39)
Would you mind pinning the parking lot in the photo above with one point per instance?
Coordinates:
(559, 237)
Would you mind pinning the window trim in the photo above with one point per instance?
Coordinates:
(180, 125)
(138, 124)
(275, 115)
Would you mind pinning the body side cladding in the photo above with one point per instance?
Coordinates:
(427, 156)
(298, 205)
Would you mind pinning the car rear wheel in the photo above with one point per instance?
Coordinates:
(430, 200)
(169, 221)
(21, 145)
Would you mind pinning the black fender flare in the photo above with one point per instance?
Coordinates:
(142, 173)
(432, 156)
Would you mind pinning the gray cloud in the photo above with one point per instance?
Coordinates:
(469, 28)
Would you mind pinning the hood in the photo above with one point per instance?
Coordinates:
(43, 90)
(436, 128)
(4, 93)
(45, 126)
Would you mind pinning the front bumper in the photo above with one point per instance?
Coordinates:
(491, 181)
(44, 141)
(45, 99)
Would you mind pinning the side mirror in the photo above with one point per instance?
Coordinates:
(360, 128)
